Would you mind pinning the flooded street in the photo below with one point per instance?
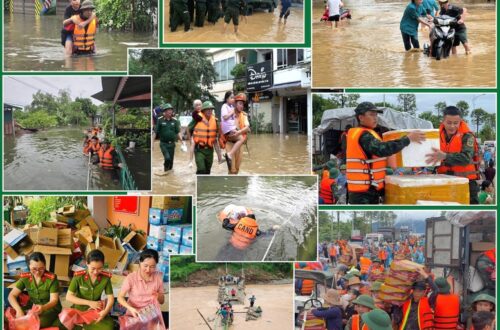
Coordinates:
(262, 26)
(289, 202)
(53, 160)
(368, 51)
(276, 302)
(266, 154)
(34, 44)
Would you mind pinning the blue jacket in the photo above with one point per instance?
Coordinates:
(409, 22)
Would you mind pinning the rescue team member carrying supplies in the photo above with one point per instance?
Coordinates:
(459, 154)
(84, 32)
(366, 154)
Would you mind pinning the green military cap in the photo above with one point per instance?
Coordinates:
(331, 164)
(484, 297)
(343, 167)
(355, 272)
(334, 173)
(377, 319)
(207, 105)
(87, 4)
(166, 106)
(364, 300)
(365, 107)
(442, 285)
(376, 259)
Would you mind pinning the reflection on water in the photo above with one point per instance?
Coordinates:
(368, 51)
(34, 44)
(286, 201)
(266, 154)
(259, 27)
(53, 160)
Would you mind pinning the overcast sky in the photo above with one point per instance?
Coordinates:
(402, 215)
(425, 102)
(19, 90)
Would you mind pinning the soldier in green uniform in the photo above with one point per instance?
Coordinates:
(371, 147)
(86, 288)
(213, 10)
(168, 129)
(205, 135)
(43, 290)
(232, 12)
(201, 12)
(179, 15)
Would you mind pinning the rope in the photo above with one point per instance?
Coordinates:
(274, 236)
(89, 172)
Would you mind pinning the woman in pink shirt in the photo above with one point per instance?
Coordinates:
(144, 286)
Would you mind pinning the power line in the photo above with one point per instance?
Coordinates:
(29, 85)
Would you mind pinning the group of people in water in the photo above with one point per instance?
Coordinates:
(79, 28)
(206, 134)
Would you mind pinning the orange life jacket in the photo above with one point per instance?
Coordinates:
(205, 135)
(382, 255)
(86, 149)
(244, 233)
(84, 38)
(94, 148)
(469, 171)
(491, 254)
(365, 264)
(307, 285)
(241, 122)
(325, 190)
(446, 311)
(362, 172)
(333, 251)
(425, 314)
(355, 323)
(106, 158)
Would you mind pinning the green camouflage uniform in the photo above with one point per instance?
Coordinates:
(372, 146)
(464, 158)
(40, 295)
(485, 267)
(168, 131)
(232, 12)
(81, 285)
(201, 12)
(203, 156)
(179, 14)
(213, 10)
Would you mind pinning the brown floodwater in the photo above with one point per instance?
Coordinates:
(266, 154)
(276, 302)
(259, 27)
(368, 50)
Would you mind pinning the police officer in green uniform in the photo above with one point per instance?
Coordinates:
(86, 288)
(366, 114)
(201, 12)
(179, 15)
(168, 129)
(203, 153)
(232, 12)
(43, 290)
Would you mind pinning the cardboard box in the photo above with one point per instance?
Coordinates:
(81, 214)
(66, 210)
(62, 218)
(57, 259)
(133, 267)
(17, 243)
(135, 240)
(43, 236)
(159, 232)
(89, 221)
(174, 234)
(112, 249)
(154, 243)
(187, 236)
(54, 224)
(170, 248)
(482, 246)
(17, 266)
(167, 202)
(64, 238)
(185, 249)
(155, 216)
(173, 216)
(84, 235)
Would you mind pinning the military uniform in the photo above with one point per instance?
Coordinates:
(213, 10)
(232, 12)
(201, 12)
(179, 14)
(204, 151)
(81, 285)
(190, 5)
(40, 295)
(168, 131)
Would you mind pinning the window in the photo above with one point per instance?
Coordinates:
(300, 55)
(282, 58)
(223, 68)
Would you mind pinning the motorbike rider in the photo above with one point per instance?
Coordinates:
(460, 30)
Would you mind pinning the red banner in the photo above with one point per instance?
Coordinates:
(126, 204)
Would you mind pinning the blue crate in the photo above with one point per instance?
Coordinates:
(155, 216)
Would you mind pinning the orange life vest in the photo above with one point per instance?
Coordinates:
(333, 251)
(425, 314)
(446, 311)
(362, 172)
(86, 149)
(307, 285)
(84, 38)
(365, 264)
(94, 148)
(242, 122)
(469, 171)
(205, 135)
(244, 233)
(382, 255)
(106, 158)
(325, 190)
(355, 323)
(491, 254)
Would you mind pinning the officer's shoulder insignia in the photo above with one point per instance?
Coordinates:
(107, 274)
(49, 275)
(25, 275)
(80, 273)
(470, 141)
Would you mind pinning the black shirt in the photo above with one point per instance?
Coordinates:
(454, 11)
(70, 12)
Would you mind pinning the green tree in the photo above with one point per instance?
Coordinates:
(39, 119)
(479, 116)
(345, 100)
(125, 15)
(320, 104)
(428, 115)
(463, 106)
(487, 133)
(88, 108)
(408, 103)
(440, 106)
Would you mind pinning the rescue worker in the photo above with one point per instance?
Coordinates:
(364, 304)
(169, 130)
(485, 266)
(86, 148)
(42, 289)
(332, 253)
(459, 151)
(244, 231)
(416, 312)
(367, 153)
(86, 288)
(232, 12)
(213, 11)
(84, 32)
(109, 160)
(252, 300)
(94, 146)
(446, 306)
(201, 12)
(376, 270)
(303, 287)
(483, 321)
(205, 137)
(482, 303)
(365, 264)
(377, 319)
(179, 15)
(243, 127)
(343, 144)
(328, 188)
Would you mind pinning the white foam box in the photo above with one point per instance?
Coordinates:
(414, 154)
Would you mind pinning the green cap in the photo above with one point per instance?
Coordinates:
(343, 167)
(365, 107)
(355, 272)
(442, 285)
(334, 173)
(166, 106)
(207, 105)
(364, 300)
(87, 4)
(484, 297)
(377, 319)
(331, 164)
(376, 260)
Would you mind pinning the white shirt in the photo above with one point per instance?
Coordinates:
(334, 7)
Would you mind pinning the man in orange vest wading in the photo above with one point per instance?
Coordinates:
(109, 161)
(205, 134)
(459, 151)
(363, 304)
(366, 155)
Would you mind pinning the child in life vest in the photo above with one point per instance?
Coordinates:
(229, 125)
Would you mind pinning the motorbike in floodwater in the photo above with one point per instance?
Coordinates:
(442, 36)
